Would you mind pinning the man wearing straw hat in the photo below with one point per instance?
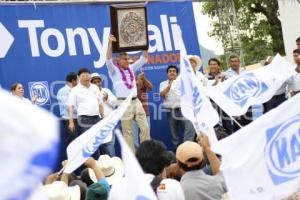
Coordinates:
(196, 64)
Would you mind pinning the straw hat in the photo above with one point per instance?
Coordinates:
(58, 190)
(112, 168)
(96, 75)
(196, 59)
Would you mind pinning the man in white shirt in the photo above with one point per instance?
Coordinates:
(279, 96)
(196, 64)
(109, 102)
(294, 81)
(170, 91)
(87, 99)
(235, 70)
(277, 99)
(234, 67)
(123, 78)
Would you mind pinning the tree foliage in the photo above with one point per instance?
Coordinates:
(259, 27)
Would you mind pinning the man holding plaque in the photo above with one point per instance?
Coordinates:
(123, 78)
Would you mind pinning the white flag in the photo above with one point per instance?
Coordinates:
(137, 188)
(195, 106)
(236, 94)
(262, 160)
(88, 142)
(28, 146)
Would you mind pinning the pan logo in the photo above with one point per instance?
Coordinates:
(245, 87)
(282, 150)
(94, 144)
(41, 91)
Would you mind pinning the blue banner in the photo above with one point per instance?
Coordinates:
(40, 44)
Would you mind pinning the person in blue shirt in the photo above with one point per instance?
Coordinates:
(99, 190)
(234, 67)
(62, 98)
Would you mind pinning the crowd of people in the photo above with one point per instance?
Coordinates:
(190, 171)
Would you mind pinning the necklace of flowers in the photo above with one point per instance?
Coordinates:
(124, 79)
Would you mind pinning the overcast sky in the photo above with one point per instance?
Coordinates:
(203, 27)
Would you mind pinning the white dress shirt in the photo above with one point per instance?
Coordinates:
(111, 101)
(282, 89)
(119, 86)
(230, 72)
(85, 99)
(172, 99)
(200, 77)
(211, 81)
(294, 83)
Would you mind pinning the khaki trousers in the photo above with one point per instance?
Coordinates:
(134, 111)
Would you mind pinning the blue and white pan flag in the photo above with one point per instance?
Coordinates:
(28, 146)
(195, 105)
(87, 143)
(236, 94)
(262, 160)
(137, 188)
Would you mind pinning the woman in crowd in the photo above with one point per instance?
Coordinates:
(17, 90)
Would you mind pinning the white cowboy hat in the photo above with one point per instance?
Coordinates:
(112, 168)
(96, 75)
(196, 59)
(58, 190)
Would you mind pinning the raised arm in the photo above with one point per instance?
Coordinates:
(91, 163)
(164, 92)
(111, 39)
(109, 63)
(140, 62)
(146, 82)
(65, 176)
(211, 156)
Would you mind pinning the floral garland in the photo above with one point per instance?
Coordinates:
(124, 79)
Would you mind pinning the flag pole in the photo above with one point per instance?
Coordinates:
(232, 118)
(61, 170)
